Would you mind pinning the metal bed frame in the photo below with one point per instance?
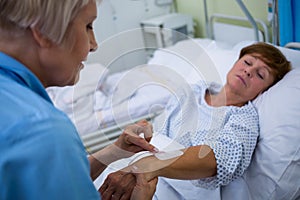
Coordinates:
(255, 23)
(249, 18)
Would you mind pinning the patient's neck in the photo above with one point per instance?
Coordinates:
(220, 99)
(215, 99)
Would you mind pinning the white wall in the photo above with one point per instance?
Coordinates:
(117, 31)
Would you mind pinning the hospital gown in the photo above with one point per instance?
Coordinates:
(230, 131)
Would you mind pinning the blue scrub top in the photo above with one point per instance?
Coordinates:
(41, 153)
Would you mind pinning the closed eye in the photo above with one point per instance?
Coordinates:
(260, 76)
(262, 73)
(247, 63)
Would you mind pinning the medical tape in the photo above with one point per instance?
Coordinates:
(161, 155)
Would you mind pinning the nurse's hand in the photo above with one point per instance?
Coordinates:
(126, 185)
(118, 185)
(128, 143)
(131, 141)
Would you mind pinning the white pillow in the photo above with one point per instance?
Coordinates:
(274, 172)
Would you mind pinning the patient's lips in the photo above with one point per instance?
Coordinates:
(242, 79)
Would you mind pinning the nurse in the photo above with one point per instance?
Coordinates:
(43, 43)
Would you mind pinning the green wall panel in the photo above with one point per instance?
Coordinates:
(257, 8)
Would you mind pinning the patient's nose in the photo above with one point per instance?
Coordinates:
(248, 72)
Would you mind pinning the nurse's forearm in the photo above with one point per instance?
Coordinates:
(196, 162)
(101, 159)
(96, 167)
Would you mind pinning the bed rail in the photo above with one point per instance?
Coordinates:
(275, 23)
(249, 18)
(241, 19)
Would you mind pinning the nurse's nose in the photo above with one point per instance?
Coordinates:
(93, 42)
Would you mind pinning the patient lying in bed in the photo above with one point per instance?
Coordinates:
(188, 138)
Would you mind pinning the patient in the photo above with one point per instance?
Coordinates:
(217, 125)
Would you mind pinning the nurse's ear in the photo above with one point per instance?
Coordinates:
(40, 39)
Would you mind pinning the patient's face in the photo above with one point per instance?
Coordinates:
(64, 61)
(249, 77)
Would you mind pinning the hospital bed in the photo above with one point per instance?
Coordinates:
(276, 161)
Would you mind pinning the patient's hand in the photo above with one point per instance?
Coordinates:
(130, 140)
(118, 185)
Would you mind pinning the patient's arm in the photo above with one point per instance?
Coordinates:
(196, 162)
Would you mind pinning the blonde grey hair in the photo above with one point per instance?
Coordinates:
(50, 17)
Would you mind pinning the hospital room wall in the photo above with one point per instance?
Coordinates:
(118, 33)
(257, 8)
(120, 39)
